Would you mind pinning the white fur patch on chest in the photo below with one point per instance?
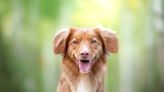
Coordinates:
(85, 85)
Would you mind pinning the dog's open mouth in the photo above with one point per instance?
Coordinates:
(85, 66)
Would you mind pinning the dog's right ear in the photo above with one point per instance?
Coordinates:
(60, 41)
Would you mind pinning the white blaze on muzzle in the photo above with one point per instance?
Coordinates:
(84, 49)
(85, 60)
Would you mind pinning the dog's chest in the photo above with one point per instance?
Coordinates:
(85, 85)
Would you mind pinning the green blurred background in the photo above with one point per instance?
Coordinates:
(27, 28)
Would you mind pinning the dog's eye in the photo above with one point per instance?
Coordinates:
(93, 41)
(75, 41)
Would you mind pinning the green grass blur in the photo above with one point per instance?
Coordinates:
(27, 28)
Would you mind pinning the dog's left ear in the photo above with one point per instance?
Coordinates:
(109, 39)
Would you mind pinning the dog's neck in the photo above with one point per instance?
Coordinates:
(86, 84)
(83, 82)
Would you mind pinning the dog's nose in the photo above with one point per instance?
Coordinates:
(84, 54)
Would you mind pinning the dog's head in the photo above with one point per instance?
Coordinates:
(85, 46)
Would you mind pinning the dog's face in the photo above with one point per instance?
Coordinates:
(85, 46)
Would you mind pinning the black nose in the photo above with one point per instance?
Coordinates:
(84, 54)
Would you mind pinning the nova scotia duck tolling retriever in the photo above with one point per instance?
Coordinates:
(84, 52)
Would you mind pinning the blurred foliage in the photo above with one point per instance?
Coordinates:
(27, 27)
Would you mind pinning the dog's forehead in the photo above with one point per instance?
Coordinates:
(84, 31)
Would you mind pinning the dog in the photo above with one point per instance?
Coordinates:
(84, 52)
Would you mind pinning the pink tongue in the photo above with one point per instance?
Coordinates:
(84, 67)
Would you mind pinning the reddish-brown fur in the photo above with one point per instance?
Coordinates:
(70, 43)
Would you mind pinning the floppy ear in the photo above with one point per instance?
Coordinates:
(60, 41)
(109, 39)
